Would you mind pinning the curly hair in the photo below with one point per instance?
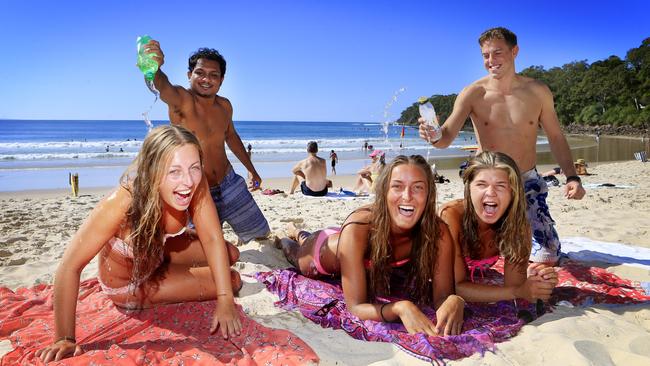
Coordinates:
(424, 235)
(513, 235)
(208, 54)
(142, 179)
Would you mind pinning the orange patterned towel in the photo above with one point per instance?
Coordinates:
(175, 334)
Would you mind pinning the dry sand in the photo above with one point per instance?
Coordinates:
(36, 226)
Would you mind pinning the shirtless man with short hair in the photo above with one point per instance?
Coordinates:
(506, 109)
(209, 117)
(313, 171)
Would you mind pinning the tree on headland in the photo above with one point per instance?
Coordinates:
(613, 91)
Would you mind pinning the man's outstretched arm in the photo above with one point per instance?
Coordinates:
(450, 129)
(170, 94)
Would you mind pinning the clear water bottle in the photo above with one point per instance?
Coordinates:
(146, 63)
(428, 112)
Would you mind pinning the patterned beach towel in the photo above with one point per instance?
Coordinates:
(175, 334)
(485, 324)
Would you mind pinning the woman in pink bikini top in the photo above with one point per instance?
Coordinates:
(140, 231)
(400, 227)
(489, 223)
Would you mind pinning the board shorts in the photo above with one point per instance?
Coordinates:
(236, 206)
(546, 242)
(308, 192)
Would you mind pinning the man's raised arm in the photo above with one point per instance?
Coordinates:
(170, 94)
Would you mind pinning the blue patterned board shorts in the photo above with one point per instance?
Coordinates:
(236, 206)
(546, 242)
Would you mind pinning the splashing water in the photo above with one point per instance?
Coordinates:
(145, 114)
(389, 104)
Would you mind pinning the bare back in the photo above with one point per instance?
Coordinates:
(210, 121)
(315, 171)
(507, 122)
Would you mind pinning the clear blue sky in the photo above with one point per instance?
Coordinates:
(287, 60)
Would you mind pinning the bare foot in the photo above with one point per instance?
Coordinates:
(277, 242)
(292, 230)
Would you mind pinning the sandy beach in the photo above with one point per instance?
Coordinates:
(36, 227)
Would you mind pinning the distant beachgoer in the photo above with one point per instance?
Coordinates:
(335, 159)
(147, 254)
(368, 174)
(249, 149)
(108, 148)
(396, 247)
(121, 150)
(365, 145)
(491, 222)
(506, 107)
(209, 116)
(313, 172)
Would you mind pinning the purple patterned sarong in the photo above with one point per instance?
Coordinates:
(485, 324)
(322, 302)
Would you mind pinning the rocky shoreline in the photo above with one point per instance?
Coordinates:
(579, 129)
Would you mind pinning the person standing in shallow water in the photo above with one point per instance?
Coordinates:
(209, 117)
(335, 160)
(506, 109)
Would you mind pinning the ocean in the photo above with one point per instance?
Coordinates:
(39, 154)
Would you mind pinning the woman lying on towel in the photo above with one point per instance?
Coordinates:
(147, 253)
(491, 222)
(397, 240)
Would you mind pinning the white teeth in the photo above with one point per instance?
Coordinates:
(184, 192)
(407, 208)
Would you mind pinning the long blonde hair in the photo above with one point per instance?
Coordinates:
(513, 235)
(424, 235)
(142, 179)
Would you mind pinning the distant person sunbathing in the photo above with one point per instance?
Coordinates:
(382, 247)
(147, 254)
(368, 174)
(313, 172)
(491, 222)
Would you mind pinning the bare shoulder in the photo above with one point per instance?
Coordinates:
(118, 197)
(452, 210)
(536, 86)
(224, 102)
(360, 215)
(474, 90)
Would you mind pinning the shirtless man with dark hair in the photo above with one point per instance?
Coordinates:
(209, 117)
(313, 172)
(506, 110)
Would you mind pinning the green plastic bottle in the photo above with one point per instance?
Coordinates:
(146, 63)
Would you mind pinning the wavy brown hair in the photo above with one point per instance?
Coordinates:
(513, 235)
(424, 235)
(142, 179)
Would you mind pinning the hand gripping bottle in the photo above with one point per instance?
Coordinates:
(146, 63)
(429, 114)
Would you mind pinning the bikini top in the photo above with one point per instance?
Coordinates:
(481, 264)
(118, 245)
(367, 263)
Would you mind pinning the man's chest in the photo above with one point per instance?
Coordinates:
(517, 109)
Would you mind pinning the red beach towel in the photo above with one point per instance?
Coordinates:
(175, 334)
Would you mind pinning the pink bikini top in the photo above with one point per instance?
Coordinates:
(368, 263)
(480, 264)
